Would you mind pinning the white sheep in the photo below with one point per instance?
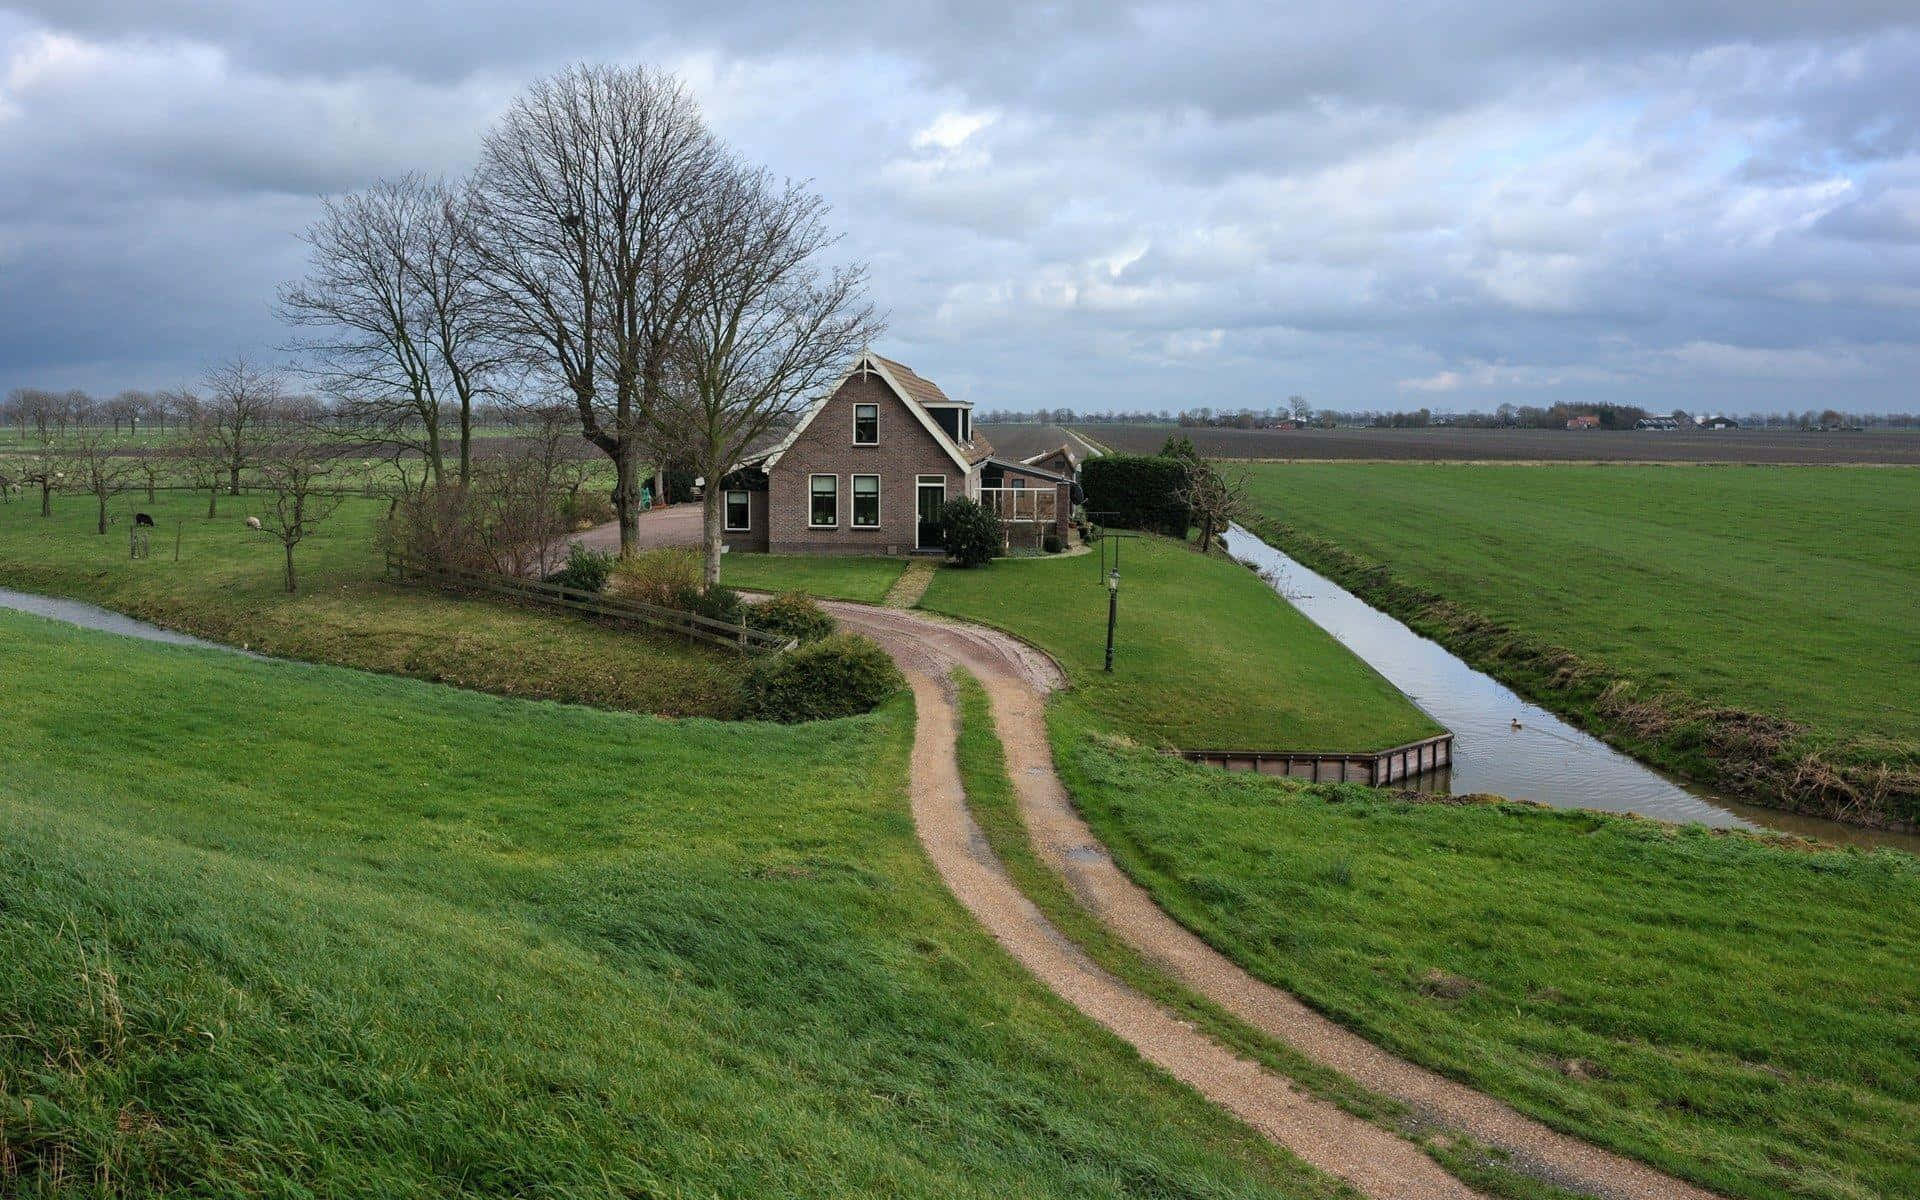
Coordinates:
(253, 522)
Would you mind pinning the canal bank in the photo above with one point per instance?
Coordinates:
(1509, 746)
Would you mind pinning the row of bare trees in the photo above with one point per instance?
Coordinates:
(608, 250)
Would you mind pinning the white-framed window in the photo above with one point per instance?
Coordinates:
(823, 501)
(866, 424)
(866, 501)
(739, 512)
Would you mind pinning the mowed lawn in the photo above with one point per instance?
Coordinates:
(1744, 1015)
(272, 929)
(1790, 591)
(1207, 655)
(227, 586)
(841, 576)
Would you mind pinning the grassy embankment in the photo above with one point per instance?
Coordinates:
(278, 929)
(1749, 627)
(228, 587)
(1731, 1010)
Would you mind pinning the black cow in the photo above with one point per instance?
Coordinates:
(142, 520)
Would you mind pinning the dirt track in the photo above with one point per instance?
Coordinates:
(1017, 679)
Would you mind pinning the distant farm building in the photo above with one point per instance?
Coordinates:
(1656, 423)
(1717, 423)
(1585, 421)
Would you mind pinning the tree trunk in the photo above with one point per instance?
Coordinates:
(626, 500)
(289, 568)
(150, 499)
(46, 500)
(466, 440)
(103, 513)
(213, 501)
(711, 535)
(233, 479)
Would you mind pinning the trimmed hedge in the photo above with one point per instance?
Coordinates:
(1137, 491)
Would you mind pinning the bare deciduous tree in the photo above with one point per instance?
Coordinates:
(393, 291)
(585, 197)
(767, 329)
(297, 474)
(93, 466)
(1216, 495)
(242, 403)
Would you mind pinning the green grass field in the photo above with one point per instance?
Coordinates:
(227, 587)
(274, 929)
(1744, 1015)
(1787, 592)
(842, 577)
(1207, 657)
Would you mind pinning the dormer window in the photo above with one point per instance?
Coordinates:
(866, 424)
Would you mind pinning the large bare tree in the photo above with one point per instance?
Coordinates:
(392, 296)
(768, 327)
(586, 196)
(242, 403)
(93, 465)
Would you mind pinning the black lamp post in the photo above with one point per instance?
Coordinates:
(1113, 610)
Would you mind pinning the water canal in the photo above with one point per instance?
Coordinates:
(1505, 744)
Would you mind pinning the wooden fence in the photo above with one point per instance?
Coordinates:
(1374, 768)
(552, 595)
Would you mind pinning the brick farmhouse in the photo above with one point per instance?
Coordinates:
(868, 465)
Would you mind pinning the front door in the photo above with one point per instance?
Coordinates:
(933, 495)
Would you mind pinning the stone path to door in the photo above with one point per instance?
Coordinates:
(1017, 679)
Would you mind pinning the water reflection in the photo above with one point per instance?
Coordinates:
(1504, 744)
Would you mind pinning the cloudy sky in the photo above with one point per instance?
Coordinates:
(1713, 204)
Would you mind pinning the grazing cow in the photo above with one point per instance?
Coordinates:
(142, 521)
(253, 522)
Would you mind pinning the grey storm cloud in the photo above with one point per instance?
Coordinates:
(1085, 204)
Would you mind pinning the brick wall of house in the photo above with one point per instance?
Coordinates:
(905, 451)
(752, 540)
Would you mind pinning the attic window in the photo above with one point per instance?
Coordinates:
(866, 424)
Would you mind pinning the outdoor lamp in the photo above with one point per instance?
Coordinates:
(1113, 610)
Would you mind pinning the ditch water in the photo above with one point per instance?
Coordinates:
(1504, 744)
(92, 616)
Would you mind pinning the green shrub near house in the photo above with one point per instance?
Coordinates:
(792, 614)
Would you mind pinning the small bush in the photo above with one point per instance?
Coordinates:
(719, 602)
(660, 577)
(794, 615)
(842, 675)
(971, 531)
(586, 508)
(1052, 542)
(586, 570)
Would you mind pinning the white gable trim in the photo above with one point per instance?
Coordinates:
(913, 406)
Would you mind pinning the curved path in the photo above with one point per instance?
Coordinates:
(1017, 679)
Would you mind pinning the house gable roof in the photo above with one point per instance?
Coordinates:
(890, 373)
(1026, 467)
(1064, 449)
